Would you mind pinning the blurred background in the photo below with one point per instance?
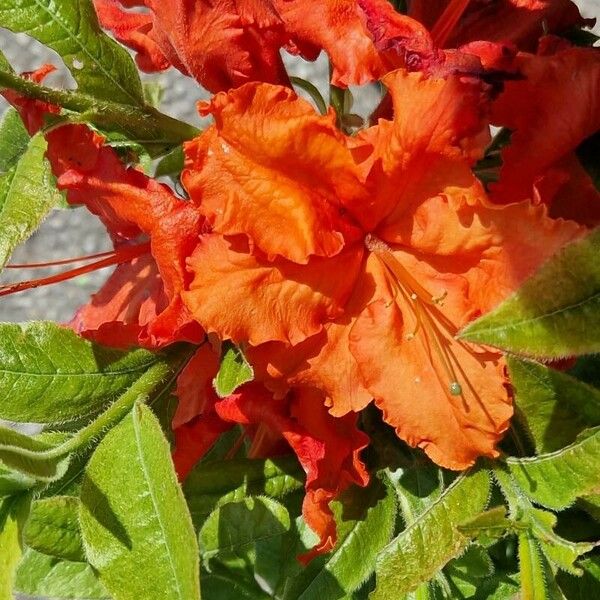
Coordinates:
(75, 232)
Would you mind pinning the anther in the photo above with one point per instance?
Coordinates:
(455, 388)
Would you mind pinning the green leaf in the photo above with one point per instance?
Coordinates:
(537, 581)
(559, 551)
(48, 374)
(136, 529)
(27, 193)
(554, 407)
(417, 486)
(584, 587)
(365, 521)
(469, 571)
(236, 526)
(13, 139)
(39, 575)
(171, 164)
(53, 528)
(222, 584)
(490, 525)
(99, 65)
(144, 125)
(213, 484)
(234, 371)
(13, 513)
(555, 313)
(557, 479)
(428, 543)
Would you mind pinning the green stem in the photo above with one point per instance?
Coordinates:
(130, 119)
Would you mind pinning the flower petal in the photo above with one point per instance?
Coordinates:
(327, 448)
(285, 170)
(521, 22)
(547, 119)
(414, 392)
(221, 43)
(129, 203)
(244, 297)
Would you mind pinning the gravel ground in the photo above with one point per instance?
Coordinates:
(67, 233)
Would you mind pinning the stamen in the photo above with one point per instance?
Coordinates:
(449, 18)
(424, 307)
(121, 255)
(55, 263)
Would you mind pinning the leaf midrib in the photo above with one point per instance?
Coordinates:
(148, 480)
(516, 324)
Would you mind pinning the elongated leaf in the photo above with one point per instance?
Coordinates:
(555, 313)
(27, 193)
(214, 484)
(233, 372)
(557, 479)
(47, 460)
(50, 375)
(426, 545)
(235, 526)
(53, 528)
(559, 551)
(100, 66)
(136, 529)
(13, 139)
(537, 581)
(44, 576)
(13, 513)
(365, 520)
(144, 125)
(554, 406)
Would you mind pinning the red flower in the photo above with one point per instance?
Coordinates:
(328, 448)
(551, 110)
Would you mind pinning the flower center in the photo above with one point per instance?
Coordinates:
(429, 321)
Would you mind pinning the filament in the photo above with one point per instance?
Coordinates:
(121, 255)
(64, 261)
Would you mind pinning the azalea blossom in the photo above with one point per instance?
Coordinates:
(350, 264)
(327, 448)
(548, 123)
(454, 23)
(225, 44)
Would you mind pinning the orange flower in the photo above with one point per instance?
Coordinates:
(222, 43)
(227, 43)
(351, 263)
(521, 22)
(328, 448)
(548, 122)
(140, 304)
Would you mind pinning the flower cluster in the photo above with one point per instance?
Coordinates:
(343, 264)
